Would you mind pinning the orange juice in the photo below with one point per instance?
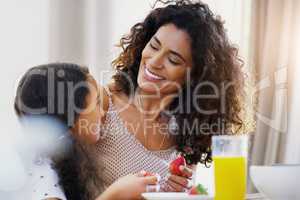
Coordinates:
(230, 178)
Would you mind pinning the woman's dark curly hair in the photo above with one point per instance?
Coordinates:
(215, 61)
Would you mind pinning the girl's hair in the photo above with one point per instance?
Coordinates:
(52, 90)
(59, 90)
(216, 65)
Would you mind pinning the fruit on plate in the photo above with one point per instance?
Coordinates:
(197, 190)
(175, 164)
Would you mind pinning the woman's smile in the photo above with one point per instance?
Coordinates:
(150, 76)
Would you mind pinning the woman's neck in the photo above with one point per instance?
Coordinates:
(151, 105)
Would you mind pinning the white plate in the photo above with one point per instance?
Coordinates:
(174, 196)
(185, 196)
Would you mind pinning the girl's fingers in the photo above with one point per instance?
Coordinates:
(150, 180)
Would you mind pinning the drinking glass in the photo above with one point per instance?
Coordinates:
(230, 166)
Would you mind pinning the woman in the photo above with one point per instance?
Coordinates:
(68, 93)
(178, 81)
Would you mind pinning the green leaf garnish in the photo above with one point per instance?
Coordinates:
(201, 189)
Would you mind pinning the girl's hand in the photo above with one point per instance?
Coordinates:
(129, 187)
(177, 183)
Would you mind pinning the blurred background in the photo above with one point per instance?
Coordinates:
(267, 33)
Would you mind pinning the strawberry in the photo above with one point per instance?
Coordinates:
(196, 190)
(175, 164)
(193, 191)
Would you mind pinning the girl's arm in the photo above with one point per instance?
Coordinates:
(129, 187)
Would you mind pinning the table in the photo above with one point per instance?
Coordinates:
(256, 196)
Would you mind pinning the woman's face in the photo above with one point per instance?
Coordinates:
(165, 61)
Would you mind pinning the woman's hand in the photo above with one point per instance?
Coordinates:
(129, 187)
(177, 183)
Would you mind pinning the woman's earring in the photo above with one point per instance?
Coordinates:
(173, 126)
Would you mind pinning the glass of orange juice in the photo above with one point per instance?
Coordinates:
(230, 166)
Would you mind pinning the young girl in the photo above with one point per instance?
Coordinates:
(68, 92)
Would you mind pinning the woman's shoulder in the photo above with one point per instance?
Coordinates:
(107, 93)
(111, 94)
(110, 91)
(104, 97)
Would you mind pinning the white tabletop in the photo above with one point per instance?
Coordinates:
(256, 196)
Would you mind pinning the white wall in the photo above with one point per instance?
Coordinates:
(23, 43)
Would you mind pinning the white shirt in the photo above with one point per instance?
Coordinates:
(43, 181)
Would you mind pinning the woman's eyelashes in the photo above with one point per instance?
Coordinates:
(153, 47)
(173, 61)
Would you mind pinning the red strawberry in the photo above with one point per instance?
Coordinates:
(175, 164)
(193, 191)
(199, 189)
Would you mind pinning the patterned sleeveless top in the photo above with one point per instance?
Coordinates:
(119, 153)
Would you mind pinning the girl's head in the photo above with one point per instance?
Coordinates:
(183, 48)
(64, 91)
